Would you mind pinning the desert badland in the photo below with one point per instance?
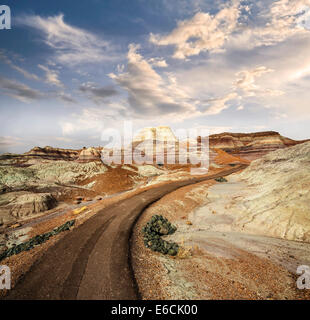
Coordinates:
(154, 150)
(240, 227)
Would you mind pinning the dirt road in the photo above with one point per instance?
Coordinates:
(93, 260)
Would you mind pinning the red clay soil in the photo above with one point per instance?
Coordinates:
(112, 181)
(225, 158)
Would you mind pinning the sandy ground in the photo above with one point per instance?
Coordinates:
(216, 264)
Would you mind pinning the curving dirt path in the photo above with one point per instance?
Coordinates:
(93, 260)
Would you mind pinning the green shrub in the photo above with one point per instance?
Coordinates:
(152, 232)
(25, 246)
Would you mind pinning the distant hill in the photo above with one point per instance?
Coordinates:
(251, 146)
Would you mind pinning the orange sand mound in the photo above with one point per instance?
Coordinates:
(225, 158)
(112, 181)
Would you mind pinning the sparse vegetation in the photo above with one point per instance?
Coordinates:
(35, 240)
(221, 179)
(157, 227)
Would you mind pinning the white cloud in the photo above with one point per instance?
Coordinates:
(93, 120)
(51, 76)
(149, 92)
(282, 21)
(220, 104)
(72, 45)
(7, 141)
(246, 82)
(25, 73)
(158, 62)
(161, 96)
(300, 72)
(203, 32)
(67, 128)
(228, 28)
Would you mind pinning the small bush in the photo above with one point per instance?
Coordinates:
(221, 179)
(154, 229)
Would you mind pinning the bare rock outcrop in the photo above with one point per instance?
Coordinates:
(250, 146)
(31, 204)
(48, 174)
(89, 154)
(271, 197)
(38, 155)
(19, 205)
(52, 153)
(161, 133)
(283, 204)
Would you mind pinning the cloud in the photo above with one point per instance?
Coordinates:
(25, 73)
(51, 76)
(72, 45)
(6, 142)
(18, 90)
(243, 87)
(93, 120)
(67, 128)
(246, 82)
(9, 141)
(158, 62)
(98, 94)
(203, 32)
(65, 97)
(281, 22)
(152, 95)
(219, 104)
(149, 93)
(230, 28)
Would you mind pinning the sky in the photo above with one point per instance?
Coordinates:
(71, 69)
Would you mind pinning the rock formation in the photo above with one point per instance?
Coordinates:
(45, 175)
(89, 154)
(250, 146)
(271, 197)
(159, 145)
(19, 205)
(38, 155)
(52, 153)
(282, 207)
(161, 133)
